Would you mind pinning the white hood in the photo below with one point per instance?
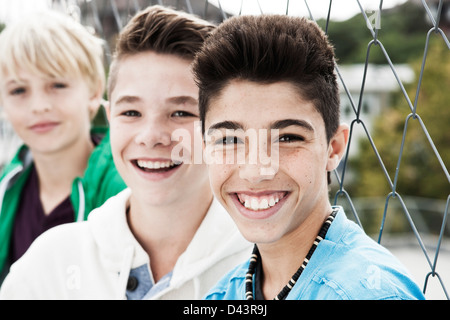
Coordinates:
(216, 238)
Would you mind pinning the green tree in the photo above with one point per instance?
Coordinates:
(403, 30)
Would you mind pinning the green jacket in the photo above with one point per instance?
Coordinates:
(100, 182)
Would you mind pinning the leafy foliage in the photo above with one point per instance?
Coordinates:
(403, 31)
(419, 172)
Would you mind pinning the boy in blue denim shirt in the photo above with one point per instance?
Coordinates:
(269, 105)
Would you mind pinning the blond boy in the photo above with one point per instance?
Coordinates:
(52, 80)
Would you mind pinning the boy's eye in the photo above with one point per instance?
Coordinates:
(131, 113)
(17, 91)
(59, 85)
(229, 140)
(290, 138)
(183, 114)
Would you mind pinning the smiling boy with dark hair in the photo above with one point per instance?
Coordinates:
(276, 74)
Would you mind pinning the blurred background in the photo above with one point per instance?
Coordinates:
(393, 63)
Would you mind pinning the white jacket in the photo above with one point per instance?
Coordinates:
(93, 259)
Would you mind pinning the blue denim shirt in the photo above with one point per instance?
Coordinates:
(346, 265)
(143, 286)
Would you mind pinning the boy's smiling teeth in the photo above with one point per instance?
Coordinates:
(155, 164)
(264, 202)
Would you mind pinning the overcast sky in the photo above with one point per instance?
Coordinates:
(14, 9)
(341, 9)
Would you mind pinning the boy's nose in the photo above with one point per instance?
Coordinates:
(260, 163)
(154, 134)
(40, 103)
(256, 173)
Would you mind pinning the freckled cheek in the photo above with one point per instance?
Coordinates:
(300, 166)
(218, 176)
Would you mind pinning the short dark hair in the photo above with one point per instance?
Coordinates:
(161, 30)
(269, 49)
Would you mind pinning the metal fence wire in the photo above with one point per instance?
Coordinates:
(107, 17)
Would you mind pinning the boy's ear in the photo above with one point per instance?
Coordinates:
(94, 103)
(337, 147)
(107, 106)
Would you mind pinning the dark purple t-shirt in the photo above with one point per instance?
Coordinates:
(31, 220)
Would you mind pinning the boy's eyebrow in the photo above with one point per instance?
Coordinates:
(175, 100)
(127, 99)
(183, 100)
(14, 82)
(281, 124)
(232, 125)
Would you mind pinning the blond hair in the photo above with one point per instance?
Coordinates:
(51, 44)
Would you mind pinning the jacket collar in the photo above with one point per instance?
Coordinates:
(112, 234)
(216, 238)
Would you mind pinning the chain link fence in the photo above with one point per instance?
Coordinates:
(424, 247)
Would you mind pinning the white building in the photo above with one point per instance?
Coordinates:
(379, 86)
